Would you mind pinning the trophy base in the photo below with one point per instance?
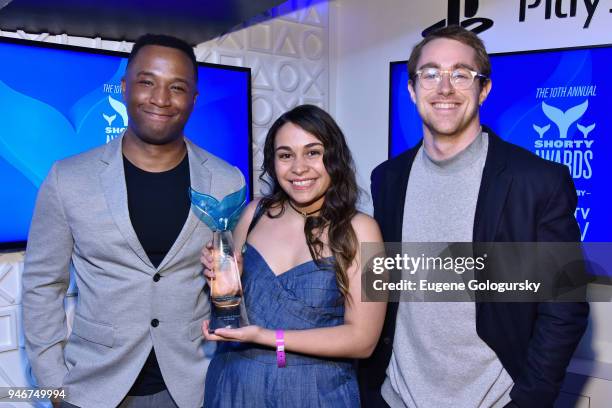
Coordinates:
(224, 318)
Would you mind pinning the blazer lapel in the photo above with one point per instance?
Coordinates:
(395, 192)
(112, 179)
(393, 195)
(200, 178)
(494, 189)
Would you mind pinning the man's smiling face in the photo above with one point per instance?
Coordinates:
(444, 110)
(160, 90)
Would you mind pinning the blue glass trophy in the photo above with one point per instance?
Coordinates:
(225, 288)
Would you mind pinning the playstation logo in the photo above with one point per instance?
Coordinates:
(475, 24)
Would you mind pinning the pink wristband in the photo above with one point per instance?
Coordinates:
(281, 362)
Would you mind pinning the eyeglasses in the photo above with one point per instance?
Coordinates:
(460, 78)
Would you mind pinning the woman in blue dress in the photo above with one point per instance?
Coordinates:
(301, 278)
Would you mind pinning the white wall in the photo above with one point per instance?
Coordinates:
(289, 59)
(367, 35)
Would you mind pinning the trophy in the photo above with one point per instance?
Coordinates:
(225, 288)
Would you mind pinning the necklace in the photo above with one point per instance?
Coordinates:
(302, 213)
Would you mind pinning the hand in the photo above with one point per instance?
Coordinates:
(56, 404)
(247, 334)
(206, 257)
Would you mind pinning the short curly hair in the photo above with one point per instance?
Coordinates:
(165, 41)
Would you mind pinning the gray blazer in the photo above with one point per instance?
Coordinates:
(81, 217)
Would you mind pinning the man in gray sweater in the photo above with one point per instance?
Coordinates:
(464, 184)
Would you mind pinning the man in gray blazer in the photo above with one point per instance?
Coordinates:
(120, 214)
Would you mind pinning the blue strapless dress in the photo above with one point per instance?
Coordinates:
(246, 375)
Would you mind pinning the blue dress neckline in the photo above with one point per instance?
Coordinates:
(293, 269)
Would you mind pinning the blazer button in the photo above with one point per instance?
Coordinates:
(154, 322)
(387, 341)
(156, 277)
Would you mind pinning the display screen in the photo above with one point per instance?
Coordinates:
(59, 101)
(554, 103)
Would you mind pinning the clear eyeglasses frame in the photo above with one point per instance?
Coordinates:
(460, 78)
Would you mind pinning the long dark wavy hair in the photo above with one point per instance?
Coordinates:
(339, 205)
